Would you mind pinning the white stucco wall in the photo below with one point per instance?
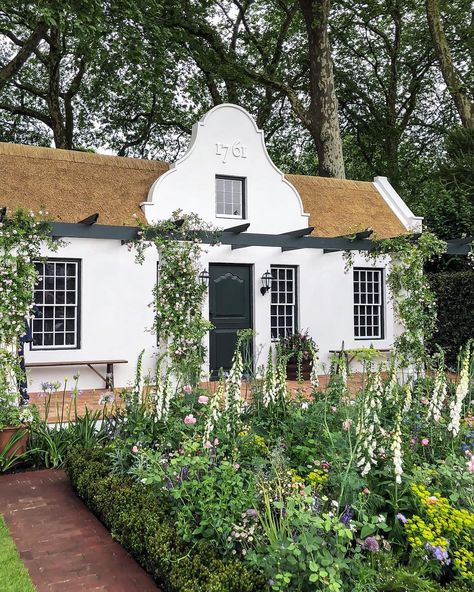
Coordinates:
(116, 292)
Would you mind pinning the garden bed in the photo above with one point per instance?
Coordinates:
(369, 492)
(146, 529)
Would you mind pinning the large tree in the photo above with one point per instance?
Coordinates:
(455, 55)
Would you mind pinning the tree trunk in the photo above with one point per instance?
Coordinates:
(323, 112)
(14, 66)
(464, 104)
(54, 90)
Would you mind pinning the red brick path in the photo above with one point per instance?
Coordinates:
(63, 545)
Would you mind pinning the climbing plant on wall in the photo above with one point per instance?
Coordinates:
(22, 235)
(178, 295)
(413, 299)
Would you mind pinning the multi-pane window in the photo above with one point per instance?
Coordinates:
(230, 197)
(283, 301)
(368, 303)
(56, 324)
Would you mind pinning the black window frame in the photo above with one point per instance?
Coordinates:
(381, 305)
(79, 305)
(296, 300)
(243, 181)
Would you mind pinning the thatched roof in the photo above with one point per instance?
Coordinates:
(339, 206)
(73, 185)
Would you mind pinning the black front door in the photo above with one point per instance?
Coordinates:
(229, 311)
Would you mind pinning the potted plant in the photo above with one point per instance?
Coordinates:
(14, 430)
(298, 350)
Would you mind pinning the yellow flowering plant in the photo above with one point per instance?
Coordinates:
(442, 535)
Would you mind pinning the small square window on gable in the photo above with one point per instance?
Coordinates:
(230, 197)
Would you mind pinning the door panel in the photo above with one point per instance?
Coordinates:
(229, 311)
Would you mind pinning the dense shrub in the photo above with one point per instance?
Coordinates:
(455, 296)
(143, 526)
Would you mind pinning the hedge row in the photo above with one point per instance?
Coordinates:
(455, 296)
(144, 527)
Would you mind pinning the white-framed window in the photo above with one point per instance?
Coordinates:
(57, 298)
(283, 311)
(230, 196)
(368, 303)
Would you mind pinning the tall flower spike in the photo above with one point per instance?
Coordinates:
(215, 410)
(233, 397)
(407, 399)
(166, 396)
(269, 383)
(439, 394)
(396, 447)
(313, 377)
(281, 390)
(368, 425)
(455, 408)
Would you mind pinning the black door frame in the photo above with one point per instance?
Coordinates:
(251, 267)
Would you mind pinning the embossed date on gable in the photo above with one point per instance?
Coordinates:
(235, 150)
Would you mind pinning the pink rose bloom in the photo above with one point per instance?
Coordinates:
(236, 466)
(216, 441)
(413, 441)
(207, 444)
(190, 419)
(425, 442)
(334, 409)
(366, 490)
(203, 400)
(470, 464)
(188, 389)
(134, 449)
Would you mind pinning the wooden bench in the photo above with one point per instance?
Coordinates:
(351, 354)
(109, 374)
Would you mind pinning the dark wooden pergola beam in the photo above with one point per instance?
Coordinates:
(296, 234)
(361, 235)
(243, 239)
(238, 229)
(89, 220)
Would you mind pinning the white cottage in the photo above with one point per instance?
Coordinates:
(95, 299)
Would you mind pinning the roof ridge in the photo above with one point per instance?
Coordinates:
(78, 156)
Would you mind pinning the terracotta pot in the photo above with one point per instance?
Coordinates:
(20, 446)
(292, 370)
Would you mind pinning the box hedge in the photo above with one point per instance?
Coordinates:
(455, 296)
(144, 527)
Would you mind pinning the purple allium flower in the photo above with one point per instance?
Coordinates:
(347, 515)
(371, 544)
(401, 517)
(251, 513)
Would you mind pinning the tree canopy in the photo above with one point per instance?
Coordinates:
(349, 88)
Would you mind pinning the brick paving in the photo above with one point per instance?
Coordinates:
(63, 545)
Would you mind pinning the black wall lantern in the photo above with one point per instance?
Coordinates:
(266, 282)
(204, 278)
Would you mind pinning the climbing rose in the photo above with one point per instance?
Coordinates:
(188, 389)
(190, 419)
(425, 442)
(134, 449)
(203, 400)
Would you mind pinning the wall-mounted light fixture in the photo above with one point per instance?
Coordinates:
(266, 282)
(204, 278)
